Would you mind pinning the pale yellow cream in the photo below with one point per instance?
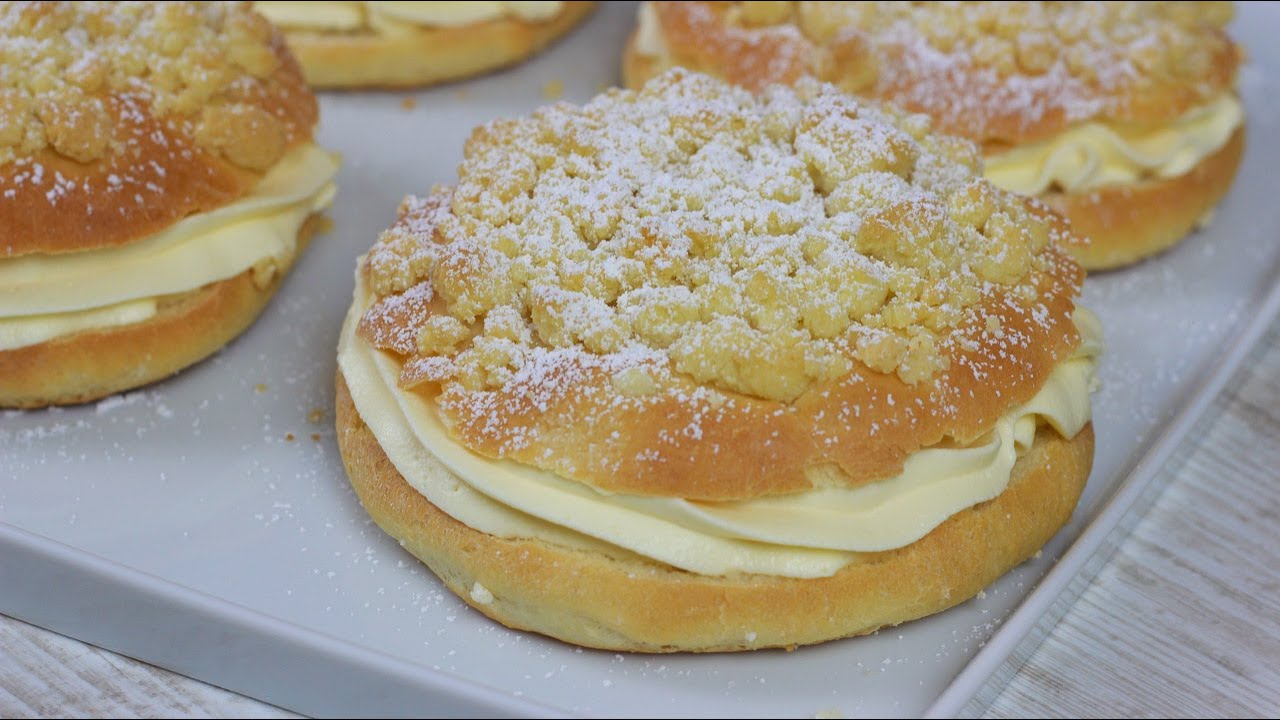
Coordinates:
(810, 534)
(395, 16)
(331, 15)
(649, 40)
(45, 296)
(1095, 155)
(19, 332)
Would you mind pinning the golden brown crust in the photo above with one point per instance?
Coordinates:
(988, 71)
(427, 55)
(1127, 223)
(591, 599)
(160, 149)
(92, 364)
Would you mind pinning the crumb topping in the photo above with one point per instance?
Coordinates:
(64, 66)
(753, 245)
(982, 69)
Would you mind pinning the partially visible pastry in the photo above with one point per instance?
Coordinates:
(157, 179)
(688, 369)
(397, 44)
(1121, 115)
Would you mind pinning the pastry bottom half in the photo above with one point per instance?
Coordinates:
(427, 55)
(187, 328)
(629, 603)
(1127, 223)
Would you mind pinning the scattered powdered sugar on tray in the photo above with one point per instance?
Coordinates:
(115, 402)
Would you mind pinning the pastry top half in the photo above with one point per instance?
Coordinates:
(693, 292)
(119, 119)
(994, 72)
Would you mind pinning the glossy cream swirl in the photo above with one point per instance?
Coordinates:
(1095, 155)
(337, 16)
(811, 534)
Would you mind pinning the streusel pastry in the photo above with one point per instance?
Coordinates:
(1121, 115)
(157, 179)
(388, 44)
(687, 369)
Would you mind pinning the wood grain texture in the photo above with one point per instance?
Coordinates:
(43, 674)
(1184, 620)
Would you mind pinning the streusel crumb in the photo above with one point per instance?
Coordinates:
(754, 245)
(199, 63)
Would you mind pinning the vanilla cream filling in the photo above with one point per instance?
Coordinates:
(330, 15)
(1095, 154)
(46, 296)
(811, 534)
(35, 329)
(397, 16)
(649, 40)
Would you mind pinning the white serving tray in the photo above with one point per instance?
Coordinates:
(180, 526)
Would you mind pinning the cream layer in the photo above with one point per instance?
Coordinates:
(46, 296)
(327, 15)
(811, 534)
(334, 16)
(1097, 154)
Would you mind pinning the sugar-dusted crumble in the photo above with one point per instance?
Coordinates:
(754, 245)
(201, 63)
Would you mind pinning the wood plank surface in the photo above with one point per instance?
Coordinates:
(1184, 619)
(43, 674)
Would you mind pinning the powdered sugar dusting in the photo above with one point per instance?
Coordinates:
(190, 60)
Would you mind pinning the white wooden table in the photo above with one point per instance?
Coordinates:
(1184, 620)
